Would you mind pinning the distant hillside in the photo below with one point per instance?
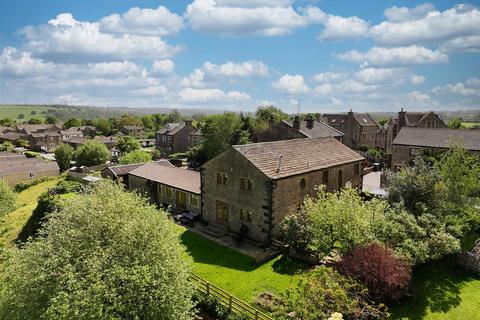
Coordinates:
(65, 112)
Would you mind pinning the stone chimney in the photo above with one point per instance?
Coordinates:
(296, 122)
(310, 122)
(350, 113)
(401, 119)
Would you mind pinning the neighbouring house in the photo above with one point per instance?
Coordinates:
(359, 128)
(16, 169)
(120, 172)
(44, 141)
(11, 156)
(174, 137)
(168, 186)
(35, 128)
(146, 143)
(110, 141)
(12, 137)
(309, 128)
(257, 185)
(411, 142)
(389, 131)
(195, 138)
(75, 141)
(88, 131)
(73, 132)
(132, 130)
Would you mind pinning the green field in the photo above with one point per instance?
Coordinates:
(441, 291)
(12, 111)
(470, 124)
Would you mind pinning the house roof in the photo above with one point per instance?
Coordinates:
(10, 156)
(104, 139)
(75, 140)
(285, 158)
(124, 169)
(12, 136)
(319, 130)
(365, 119)
(37, 166)
(335, 119)
(438, 138)
(29, 128)
(197, 132)
(183, 179)
(44, 134)
(171, 128)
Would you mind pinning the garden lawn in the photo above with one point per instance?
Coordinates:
(12, 223)
(441, 291)
(237, 273)
(12, 111)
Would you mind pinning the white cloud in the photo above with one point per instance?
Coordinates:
(337, 28)
(162, 67)
(379, 75)
(241, 70)
(471, 88)
(401, 14)
(292, 84)
(240, 18)
(461, 20)
(399, 56)
(329, 76)
(194, 79)
(151, 91)
(68, 38)
(211, 95)
(150, 22)
(416, 79)
(463, 44)
(324, 89)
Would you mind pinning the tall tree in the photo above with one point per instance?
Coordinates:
(218, 131)
(92, 153)
(136, 156)
(72, 122)
(103, 125)
(127, 120)
(103, 255)
(128, 144)
(64, 155)
(7, 198)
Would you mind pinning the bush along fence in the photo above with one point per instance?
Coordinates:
(233, 304)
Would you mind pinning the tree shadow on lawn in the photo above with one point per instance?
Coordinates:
(206, 251)
(436, 287)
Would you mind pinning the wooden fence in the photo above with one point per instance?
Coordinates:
(234, 304)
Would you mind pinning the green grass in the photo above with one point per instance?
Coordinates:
(12, 111)
(441, 291)
(470, 124)
(238, 273)
(12, 223)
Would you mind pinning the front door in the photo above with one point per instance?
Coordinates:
(181, 200)
(222, 211)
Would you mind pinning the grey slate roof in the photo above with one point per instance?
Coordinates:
(20, 167)
(183, 179)
(124, 169)
(171, 128)
(319, 130)
(285, 158)
(438, 138)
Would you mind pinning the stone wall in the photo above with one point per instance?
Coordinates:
(469, 261)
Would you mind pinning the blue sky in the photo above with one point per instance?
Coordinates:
(316, 56)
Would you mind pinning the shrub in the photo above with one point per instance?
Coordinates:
(7, 198)
(27, 184)
(7, 146)
(297, 231)
(92, 153)
(386, 276)
(137, 156)
(31, 154)
(323, 292)
(64, 155)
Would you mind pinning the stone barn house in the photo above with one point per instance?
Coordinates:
(258, 184)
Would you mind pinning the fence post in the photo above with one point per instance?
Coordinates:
(256, 314)
(230, 302)
(208, 288)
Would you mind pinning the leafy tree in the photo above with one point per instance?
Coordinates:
(92, 153)
(35, 121)
(33, 112)
(383, 121)
(136, 156)
(297, 231)
(104, 126)
(7, 122)
(22, 143)
(218, 131)
(127, 120)
(324, 292)
(7, 198)
(174, 116)
(417, 187)
(21, 116)
(341, 219)
(64, 155)
(386, 276)
(128, 144)
(72, 122)
(455, 123)
(266, 116)
(51, 119)
(147, 122)
(7, 146)
(85, 263)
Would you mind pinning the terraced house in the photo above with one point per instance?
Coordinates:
(257, 185)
